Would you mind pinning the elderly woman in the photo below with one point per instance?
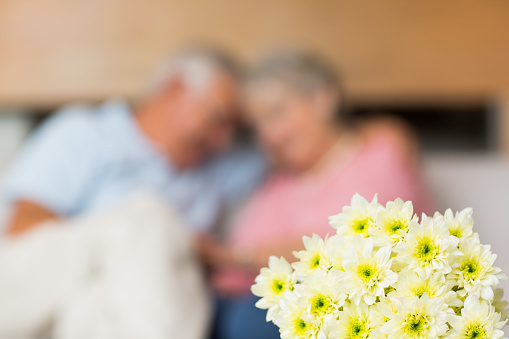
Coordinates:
(292, 100)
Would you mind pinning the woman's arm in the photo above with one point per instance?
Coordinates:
(401, 134)
(217, 254)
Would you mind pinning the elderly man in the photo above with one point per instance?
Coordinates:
(89, 256)
(85, 159)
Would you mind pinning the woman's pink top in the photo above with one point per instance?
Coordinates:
(290, 206)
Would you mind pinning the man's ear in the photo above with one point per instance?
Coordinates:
(169, 97)
(172, 87)
(326, 100)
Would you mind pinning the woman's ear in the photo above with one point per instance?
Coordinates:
(326, 100)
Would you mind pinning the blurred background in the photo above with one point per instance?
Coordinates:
(443, 66)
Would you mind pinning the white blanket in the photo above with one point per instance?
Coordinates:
(126, 274)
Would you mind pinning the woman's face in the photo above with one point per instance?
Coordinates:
(290, 126)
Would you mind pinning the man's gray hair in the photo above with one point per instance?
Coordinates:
(196, 67)
(300, 70)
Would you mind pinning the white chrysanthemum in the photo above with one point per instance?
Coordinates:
(474, 271)
(335, 248)
(428, 247)
(387, 275)
(501, 306)
(387, 307)
(271, 284)
(320, 295)
(367, 272)
(419, 318)
(459, 225)
(478, 320)
(414, 284)
(312, 258)
(357, 218)
(356, 322)
(329, 328)
(290, 320)
(393, 222)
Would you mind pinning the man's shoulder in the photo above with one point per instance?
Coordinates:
(75, 123)
(72, 117)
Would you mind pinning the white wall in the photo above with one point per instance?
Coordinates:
(480, 182)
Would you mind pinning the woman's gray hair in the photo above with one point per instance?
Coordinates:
(301, 71)
(196, 67)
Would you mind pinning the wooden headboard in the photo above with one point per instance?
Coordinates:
(54, 51)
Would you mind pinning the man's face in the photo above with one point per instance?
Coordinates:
(203, 121)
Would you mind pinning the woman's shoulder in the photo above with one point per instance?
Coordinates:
(275, 184)
(391, 136)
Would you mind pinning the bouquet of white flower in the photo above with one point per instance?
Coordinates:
(385, 274)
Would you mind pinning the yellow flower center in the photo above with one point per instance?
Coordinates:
(471, 268)
(426, 250)
(368, 273)
(361, 226)
(456, 231)
(320, 304)
(300, 327)
(394, 226)
(278, 286)
(415, 325)
(314, 261)
(475, 330)
(419, 290)
(357, 328)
